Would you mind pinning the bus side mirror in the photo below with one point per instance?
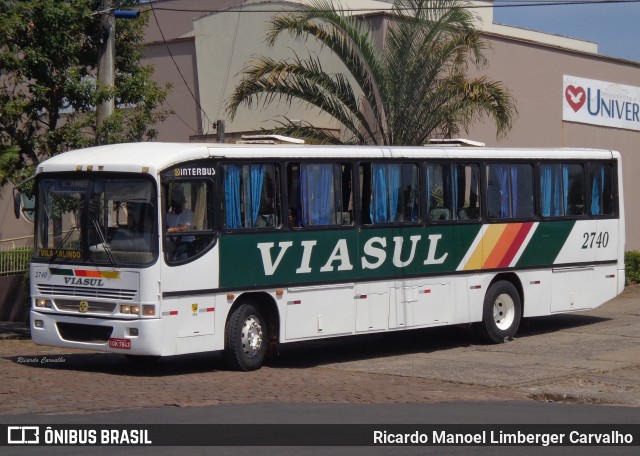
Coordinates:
(17, 197)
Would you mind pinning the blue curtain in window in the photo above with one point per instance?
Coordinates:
(317, 182)
(257, 176)
(502, 176)
(514, 192)
(565, 190)
(551, 190)
(386, 189)
(232, 196)
(597, 188)
(393, 174)
(380, 204)
(545, 189)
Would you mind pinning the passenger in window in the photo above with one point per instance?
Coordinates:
(293, 222)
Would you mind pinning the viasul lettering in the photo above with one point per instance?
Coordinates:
(376, 252)
(83, 281)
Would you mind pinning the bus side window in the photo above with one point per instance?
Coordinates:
(438, 182)
(452, 191)
(509, 190)
(251, 196)
(393, 189)
(602, 190)
(562, 189)
(319, 194)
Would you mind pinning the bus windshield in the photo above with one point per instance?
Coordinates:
(96, 220)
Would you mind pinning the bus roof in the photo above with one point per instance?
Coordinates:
(153, 157)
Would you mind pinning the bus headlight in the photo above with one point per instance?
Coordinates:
(130, 309)
(45, 303)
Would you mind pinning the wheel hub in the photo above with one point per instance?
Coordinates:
(251, 336)
(504, 311)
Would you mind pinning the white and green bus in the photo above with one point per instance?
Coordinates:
(155, 249)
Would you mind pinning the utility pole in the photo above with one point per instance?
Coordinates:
(106, 62)
(220, 131)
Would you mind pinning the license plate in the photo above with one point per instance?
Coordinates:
(124, 344)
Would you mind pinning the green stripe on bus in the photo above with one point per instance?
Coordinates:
(546, 243)
(63, 272)
(249, 260)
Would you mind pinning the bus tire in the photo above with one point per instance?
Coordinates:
(501, 314)
(246, 338)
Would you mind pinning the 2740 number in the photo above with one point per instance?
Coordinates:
(595, 240)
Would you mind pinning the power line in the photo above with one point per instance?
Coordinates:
(152, 9)
(180, 118)
(508, 4)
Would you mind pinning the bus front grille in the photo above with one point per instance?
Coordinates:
(93, 306)
(87, 292)
(75, 332)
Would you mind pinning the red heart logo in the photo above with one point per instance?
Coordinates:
(576, 96)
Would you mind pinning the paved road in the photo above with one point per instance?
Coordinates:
(590, 357)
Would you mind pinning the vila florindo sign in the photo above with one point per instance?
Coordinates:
(600, 103)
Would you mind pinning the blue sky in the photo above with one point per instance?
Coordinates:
(614, 27)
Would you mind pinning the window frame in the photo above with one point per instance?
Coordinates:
(534, 190)
(585, 213)
(212, 231)
(419, 193)
(614, 190)
(277, 199)
(289, 201)
(454, 217)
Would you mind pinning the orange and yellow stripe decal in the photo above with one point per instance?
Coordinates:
(497, 246)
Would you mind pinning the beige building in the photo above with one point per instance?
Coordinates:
(200, 46)
(550, 76)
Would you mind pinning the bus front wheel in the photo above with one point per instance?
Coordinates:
(501, 313)
(246, 338)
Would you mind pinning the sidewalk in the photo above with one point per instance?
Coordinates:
(12, 330)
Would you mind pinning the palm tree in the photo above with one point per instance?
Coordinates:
(415, 88)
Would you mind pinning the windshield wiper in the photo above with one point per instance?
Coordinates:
(103, 241)
(62, 243)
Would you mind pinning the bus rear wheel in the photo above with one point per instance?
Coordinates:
(246, 338)
(501, 314)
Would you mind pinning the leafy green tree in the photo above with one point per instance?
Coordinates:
(414, 88)
(48, 92)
